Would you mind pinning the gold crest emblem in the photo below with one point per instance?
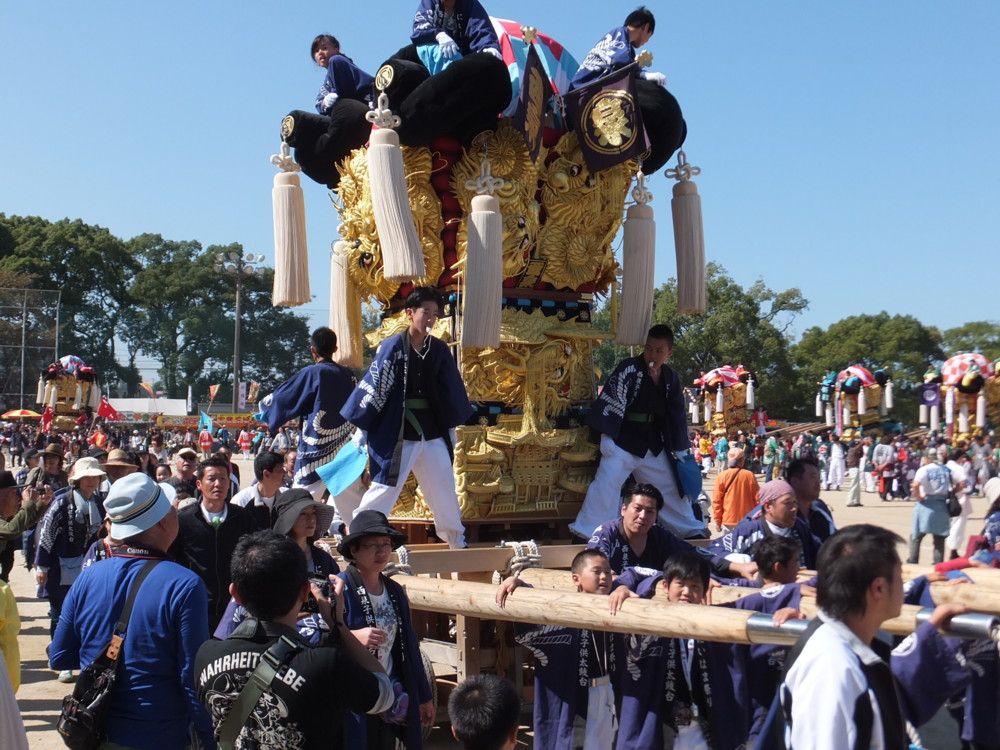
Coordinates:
(383, 79)
(287, 126)
(608, 121)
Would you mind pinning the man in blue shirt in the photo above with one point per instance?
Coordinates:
(661, 114)
(153, 703)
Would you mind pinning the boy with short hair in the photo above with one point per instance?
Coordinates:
(484, 711)
(574, 668)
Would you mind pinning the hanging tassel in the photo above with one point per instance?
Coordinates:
(862, 401)
(345, 310)
(847, 410)
(77, 396)
(45, 394)
(689, 238)
(54, 395)
(40, 393)
(482, 304)
(924, 413)
(95, 396)
(963, 415)
(751, 395)
(402, 255)
(828, 415)
(638, 262)
(981, 410)
(708, 411)
(694, 412)
(291, 253)
(935, 417)
(883, 409)
(888, 395)
(719, 399)
(819, 405)
(949, 406)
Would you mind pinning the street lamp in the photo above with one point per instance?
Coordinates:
(239, 264)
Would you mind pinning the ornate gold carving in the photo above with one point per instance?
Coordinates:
(611, 122)
(383, 78)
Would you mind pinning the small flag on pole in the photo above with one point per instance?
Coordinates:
(212, 390)
(535, 92)
(107, 411)
(148, 389)
(205, 422)
(607, 120)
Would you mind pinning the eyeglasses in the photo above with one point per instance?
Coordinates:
(377, 546)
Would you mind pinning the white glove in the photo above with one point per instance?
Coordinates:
(448, 47)
(329, 100)
(493, 51)
(657, 78)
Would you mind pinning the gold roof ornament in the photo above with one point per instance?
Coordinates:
(644, 59)
(529, 33)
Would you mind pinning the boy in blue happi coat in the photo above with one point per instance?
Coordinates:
(408, 404)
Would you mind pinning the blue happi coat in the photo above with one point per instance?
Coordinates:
(660, 544)
(748, 532)
(470, 27)
(377, 404)
(612, 53)
(315, 395)
(346, 80)
(622, 388)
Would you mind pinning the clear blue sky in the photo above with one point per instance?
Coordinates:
(847, 148)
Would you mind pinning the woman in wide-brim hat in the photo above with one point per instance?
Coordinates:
(378, 614)
(65, 533)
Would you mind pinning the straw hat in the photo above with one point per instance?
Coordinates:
(85, 467)
(119, 458)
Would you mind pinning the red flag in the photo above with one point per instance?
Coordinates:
(212, 390)
(46, 424)
(107, 411)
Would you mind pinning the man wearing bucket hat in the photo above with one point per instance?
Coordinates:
(378, 614)
(118, 465)
(50, 469)
(153, 703)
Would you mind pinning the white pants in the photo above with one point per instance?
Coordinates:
(598, 731)
(869, 481)
(956, 533)
(854, 494)
(835, 476)
(431, 464)
(604, 494)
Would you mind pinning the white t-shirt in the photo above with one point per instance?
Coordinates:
(934, 480)
(959, 477)
(385, 618)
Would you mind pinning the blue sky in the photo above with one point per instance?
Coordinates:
(847, 148)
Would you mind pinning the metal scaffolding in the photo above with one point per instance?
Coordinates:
(29, 341)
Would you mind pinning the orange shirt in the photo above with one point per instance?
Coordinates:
(735, 493)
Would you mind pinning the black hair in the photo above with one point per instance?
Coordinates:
(687, 565)
(641, 488)
(266, 461)
(640, 17)
(581, 558)
(315, 44)
(422, 294)
(663, 332)
(796, 468)
(847, 564)
(268, 570)
(775, 549)
(483, 710)
(215, 462)
(324, 341)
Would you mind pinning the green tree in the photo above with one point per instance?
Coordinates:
(976, 336)
(900, 343)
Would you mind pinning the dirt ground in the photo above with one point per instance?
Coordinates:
(40, 694)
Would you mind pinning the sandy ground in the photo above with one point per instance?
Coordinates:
(40, 694)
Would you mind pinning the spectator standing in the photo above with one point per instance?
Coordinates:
(930, 515)
(735, 492)
(259, 497)
(962, 479)
(854, 461)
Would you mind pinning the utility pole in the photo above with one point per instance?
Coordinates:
(239, 264)
(24, 341)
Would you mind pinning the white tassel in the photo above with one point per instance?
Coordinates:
(638, 266)
(345, 310)
(482, 305)
(689, 238)
(847, 411)
(882, 408)
(888, 395)
(720, 399)
(963, 415)
(95, 396)
(291, 252)
(981, 410)
(924, 413)
(828, 415)
(77, 396)
(53, 395)
(949, 406)
(708, 411)
(935, 417)
(40, 393)
(694, 410)
(751, 395)
(819, 405)
(862, 401)
(402, 254)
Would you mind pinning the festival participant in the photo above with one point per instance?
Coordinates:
(676, 692)
(378, 614)
(835, 475)
(854, 462)
(205, 442)
(245, 442)
(408, 404)
(771, 458)
(838, 691)
(640, 415)
(962, 479)
(17, 516)
(636, 540)
(307, 708)
(735, 492)
(50, 472)
(803, 475)
(661, 115)
(931, 485)
(259, 497)
(779, 517)
(574, 703)
(705, 449)
(152, 704)
(344, 80)
(209, 532)
(884, 463)
(315, 395)
(484, 711)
